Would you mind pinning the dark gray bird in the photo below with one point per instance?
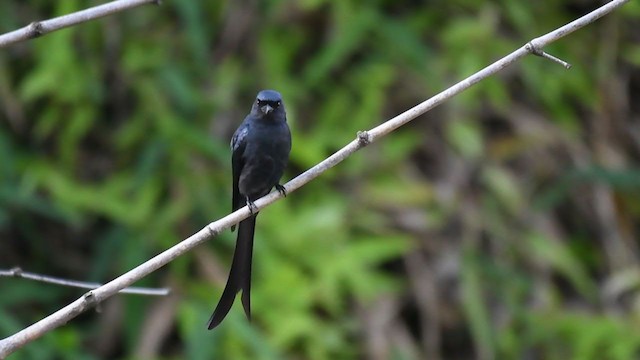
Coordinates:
(260, 152)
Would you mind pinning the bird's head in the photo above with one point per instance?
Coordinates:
(268, 102)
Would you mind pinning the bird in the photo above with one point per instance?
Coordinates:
(260, 150)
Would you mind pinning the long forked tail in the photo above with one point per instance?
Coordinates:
(239, 275)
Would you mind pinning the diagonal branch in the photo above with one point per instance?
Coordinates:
(90, 299)
(19, 273)
(39, 28)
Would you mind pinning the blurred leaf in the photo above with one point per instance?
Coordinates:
(557, 255)
(466, 137)
(624, 180)
(504, 187)
(474, 306)
(353, 27)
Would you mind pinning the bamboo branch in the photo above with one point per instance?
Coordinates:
(19, 273)
(39, 28)
(91, 298)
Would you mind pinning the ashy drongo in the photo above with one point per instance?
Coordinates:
(260, 152)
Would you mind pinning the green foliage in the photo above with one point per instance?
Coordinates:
(521, 193)
(584, 336)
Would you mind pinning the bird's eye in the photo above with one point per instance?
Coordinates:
(278, 103)
(258, 101)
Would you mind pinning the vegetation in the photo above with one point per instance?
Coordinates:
(503, 224)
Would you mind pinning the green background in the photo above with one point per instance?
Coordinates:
(503, 224)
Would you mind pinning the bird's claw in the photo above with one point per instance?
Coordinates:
(253, 209)
(281, 190)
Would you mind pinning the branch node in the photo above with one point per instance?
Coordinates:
(364, 138)
(536, 50)
(90, 298)
(16, 271)
(212, 232)
(35, 29)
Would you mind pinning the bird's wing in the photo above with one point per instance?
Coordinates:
(238, 144)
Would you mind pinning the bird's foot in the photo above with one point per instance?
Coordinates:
(252, 207)
(281, 190)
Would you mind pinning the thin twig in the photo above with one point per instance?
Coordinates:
(19, 273)
(537, 51)
(39, 28)
(62, 316)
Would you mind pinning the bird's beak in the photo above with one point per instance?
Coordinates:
(266, 109)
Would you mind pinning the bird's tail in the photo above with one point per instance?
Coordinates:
(239, 275)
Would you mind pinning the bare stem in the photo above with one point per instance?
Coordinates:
(39, 28)
(18, 273)
(538, 52)
(62, 316)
